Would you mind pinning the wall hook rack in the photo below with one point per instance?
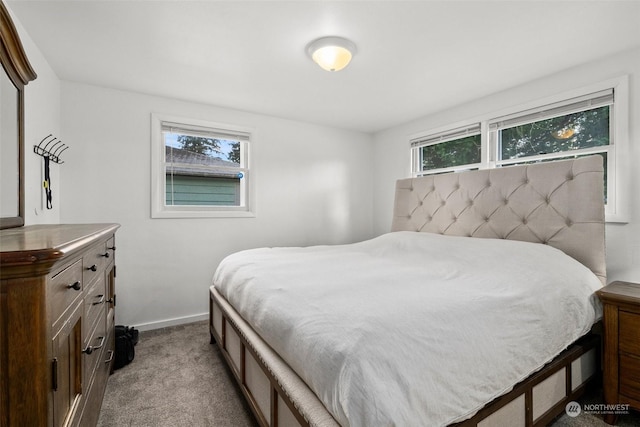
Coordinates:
(50, 147)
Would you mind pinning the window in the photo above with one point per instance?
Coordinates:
(593, 122)
(577, 127)
(448, 151)
(200, 169)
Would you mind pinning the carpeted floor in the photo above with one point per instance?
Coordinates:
(178, 379)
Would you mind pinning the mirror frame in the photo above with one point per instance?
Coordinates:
(16, 65)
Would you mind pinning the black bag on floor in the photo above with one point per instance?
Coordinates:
(126, 339)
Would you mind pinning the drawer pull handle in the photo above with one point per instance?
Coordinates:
(113, 248)
(100, 301)
(76, 285)
(93, 268)
(111, 353)
(54, 374)
(91, 349)
(106, 254)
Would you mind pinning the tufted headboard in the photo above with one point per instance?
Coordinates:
(556, 203)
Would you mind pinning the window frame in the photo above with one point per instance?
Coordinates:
(159, 208)
(617, 153)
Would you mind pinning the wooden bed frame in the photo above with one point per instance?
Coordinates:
(556, 203)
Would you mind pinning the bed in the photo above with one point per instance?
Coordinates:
(476, 309)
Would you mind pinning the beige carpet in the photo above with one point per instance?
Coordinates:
(178, 379)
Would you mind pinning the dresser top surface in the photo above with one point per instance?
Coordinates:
(620, 292)
(42, 243)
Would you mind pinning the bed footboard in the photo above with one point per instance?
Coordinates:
(276, 395)
(279, 398)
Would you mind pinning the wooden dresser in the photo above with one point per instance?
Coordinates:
(57, 298)
(621, 376)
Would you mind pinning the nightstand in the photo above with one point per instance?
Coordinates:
(621, 381)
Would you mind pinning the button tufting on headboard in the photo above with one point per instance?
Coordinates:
(557, 203)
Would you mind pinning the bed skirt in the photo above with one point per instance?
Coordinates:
(279, 398)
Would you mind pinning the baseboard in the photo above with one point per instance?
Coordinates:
(171, 322)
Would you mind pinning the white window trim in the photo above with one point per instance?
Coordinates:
(158, 192)
(618, 162)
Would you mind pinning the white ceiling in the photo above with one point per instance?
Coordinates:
(414, 57)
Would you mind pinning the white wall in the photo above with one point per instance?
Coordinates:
(42, 117)
(392, 153)
(313, 186)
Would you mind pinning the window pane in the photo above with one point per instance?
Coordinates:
(584, 129)
(199, 150)
(202, 191)
(457, 152)
(202, 171)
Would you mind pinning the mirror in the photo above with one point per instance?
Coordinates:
(9, 153)
(15, 74)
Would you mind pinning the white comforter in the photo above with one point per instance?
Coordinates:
(412, 329)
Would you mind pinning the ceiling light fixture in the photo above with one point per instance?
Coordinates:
(331, 53)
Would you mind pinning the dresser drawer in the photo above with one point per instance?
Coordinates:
(629, 376)
(629, 330)
(64, 288)
(95, 262)
(111, 244)
(94, 303)
(93, 401)
(93, 350)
